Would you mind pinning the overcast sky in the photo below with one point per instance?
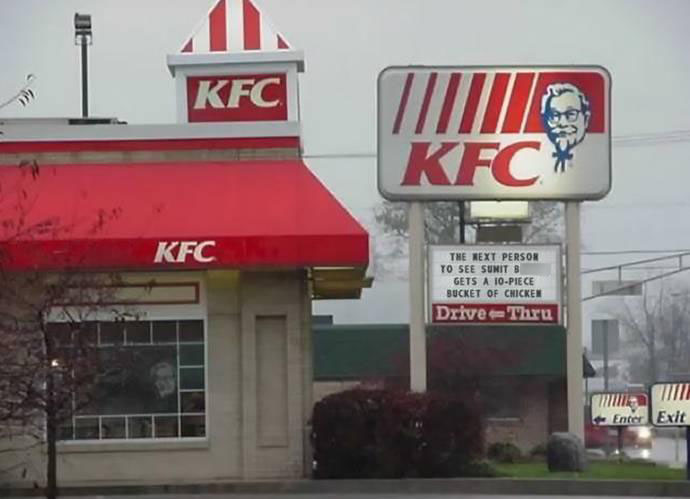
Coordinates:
(644, 44)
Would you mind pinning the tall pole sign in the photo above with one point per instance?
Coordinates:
(496, 133)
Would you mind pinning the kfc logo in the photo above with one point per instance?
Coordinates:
(565, 111)
(237, 98)
(179, 251)
(494, 133)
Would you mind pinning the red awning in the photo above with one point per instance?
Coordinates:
(241, 214)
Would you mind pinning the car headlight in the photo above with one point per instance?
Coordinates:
(644, 432)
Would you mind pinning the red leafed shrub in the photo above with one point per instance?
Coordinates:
(393, 434)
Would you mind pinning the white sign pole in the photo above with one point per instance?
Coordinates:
(416, 275)
(576, 418)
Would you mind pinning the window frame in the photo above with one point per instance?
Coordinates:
(153, 312)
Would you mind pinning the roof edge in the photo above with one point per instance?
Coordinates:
(194, 59)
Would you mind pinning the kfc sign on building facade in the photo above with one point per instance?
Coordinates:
(494, 133)
(260, 97)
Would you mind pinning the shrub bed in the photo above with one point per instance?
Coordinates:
(390, 434)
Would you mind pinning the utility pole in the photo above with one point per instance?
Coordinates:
(83, 36)
(606, 355)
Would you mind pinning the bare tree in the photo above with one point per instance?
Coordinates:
(656, 333)
(442, 226)
(49, 359)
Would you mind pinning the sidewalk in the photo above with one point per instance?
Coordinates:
(506, 486)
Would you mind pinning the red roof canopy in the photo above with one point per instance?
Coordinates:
(174, 215)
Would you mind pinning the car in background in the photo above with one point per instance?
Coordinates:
(606, 437)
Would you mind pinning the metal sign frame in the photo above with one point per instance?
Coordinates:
(494, 196)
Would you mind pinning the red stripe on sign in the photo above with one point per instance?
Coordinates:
(216, 29)
(687, 392)
(518, 102)
(676, 391)
(430, 84)
(472, 103)
(252, 29)
(189, 46)
(448, 102)
(281, 43)
(626, 400)
(403, 102)
(493, 109)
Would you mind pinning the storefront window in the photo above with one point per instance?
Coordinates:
(152, 383)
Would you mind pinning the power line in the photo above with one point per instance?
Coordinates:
(634, 252)
(629, 140)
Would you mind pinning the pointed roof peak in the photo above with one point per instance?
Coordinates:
(233, 26)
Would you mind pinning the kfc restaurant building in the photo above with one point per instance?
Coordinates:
(223, 238)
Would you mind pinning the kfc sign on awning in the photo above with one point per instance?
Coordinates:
(494, 133)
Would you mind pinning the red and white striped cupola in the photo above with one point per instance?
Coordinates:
(237, 67)
(235, 26)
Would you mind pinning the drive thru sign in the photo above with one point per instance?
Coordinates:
(494, 133)
(494, 284)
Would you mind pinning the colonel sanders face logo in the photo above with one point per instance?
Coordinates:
(565, 113)
(633, 403)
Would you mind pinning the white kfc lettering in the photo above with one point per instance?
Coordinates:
(237, 91)
(208, 94)
(178, 251)
(257, 94)
(164, 252)
(199, 252)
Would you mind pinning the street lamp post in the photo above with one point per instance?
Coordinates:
(83, 36)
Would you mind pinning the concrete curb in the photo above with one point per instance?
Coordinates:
(527, 487)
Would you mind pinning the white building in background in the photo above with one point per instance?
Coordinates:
(608, 296)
